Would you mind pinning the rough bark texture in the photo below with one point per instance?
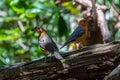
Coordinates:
(114, 75)
(91, 63)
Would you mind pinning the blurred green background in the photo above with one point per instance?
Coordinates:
(18, 17)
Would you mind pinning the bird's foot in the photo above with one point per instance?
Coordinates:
(45, 60)
(65, 64)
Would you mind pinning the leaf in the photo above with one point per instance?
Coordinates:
(8, 19)
(42, 6)
(19, 10)
(69, 6)
(117, 35)
(13, 34)
(62, 27)
(107, 2)
(116, 1)
(30, 15)
(10, 37)
(2, 61)
(20, 51)
(14, 2)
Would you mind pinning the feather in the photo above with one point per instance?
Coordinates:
(79, 31)
(57, 55)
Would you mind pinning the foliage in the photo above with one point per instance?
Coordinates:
(17, 19)
(17, 40)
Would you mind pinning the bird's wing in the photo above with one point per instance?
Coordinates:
(79, 31)
(52, 47)
(47, 43)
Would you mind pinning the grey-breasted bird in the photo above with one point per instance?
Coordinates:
(46, 43)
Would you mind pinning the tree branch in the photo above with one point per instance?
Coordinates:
(115, 8)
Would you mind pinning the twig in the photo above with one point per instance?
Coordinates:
(94, 13)
(115, 8)
(114, 75)
(21, 26)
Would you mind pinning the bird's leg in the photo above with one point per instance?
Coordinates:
(50, 57)
(45, 60)
(45, 53)
(77, 45)
(80, 46)
(83, 45)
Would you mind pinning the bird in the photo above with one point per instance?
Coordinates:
(79, 34)
(46, 43)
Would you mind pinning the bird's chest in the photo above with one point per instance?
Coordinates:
(44, 40)
(81, 38)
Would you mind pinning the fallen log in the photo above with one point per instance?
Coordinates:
(90, 63)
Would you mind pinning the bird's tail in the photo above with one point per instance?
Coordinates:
(57, 55)
(63, 45)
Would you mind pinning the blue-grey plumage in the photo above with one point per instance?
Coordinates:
(79, 31)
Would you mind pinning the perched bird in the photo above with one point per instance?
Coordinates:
(46, 43)
(79, 34)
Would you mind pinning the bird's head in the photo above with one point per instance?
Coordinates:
(83, 22)
(39, 29)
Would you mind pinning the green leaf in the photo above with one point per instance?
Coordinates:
(2, 61)
(69, 6)
(10, 37)
(8, 19)
(62, 27)
(107, 2)
(117, 35)
(14, 2)
(42, 6)
(9, 34)
(116, 1)
(19, 10)
(20, 51)
(33, 10)
(30, 15)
